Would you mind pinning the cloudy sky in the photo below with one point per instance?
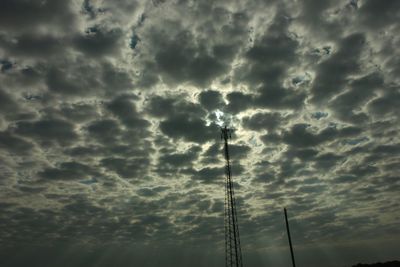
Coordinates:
(110, 150)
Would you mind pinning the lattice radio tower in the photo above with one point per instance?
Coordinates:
(233, 252)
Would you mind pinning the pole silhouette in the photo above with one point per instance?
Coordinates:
(289, 238)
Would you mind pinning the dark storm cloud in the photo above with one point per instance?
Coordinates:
(238, 101)
(215, 154)
(125, 110)
(238, 151)
(105, 131)
(82, 218)
(81, 79)
(159, 106)
(280, 98)
(23, 15)
(98, 42)
(78, 112)
(7, 103)
(345, 179)
(387, 104)
(47, 130)
(288, 169)
(327, 161)
(189, 129)
(82, 151)
(197, 55)
(375, 154)
(183, 119)
(333, 72)
(206, 175)
(172, 164)
(71, 81)
(168, 107)
(151, 192)
(302, 154)
(361, 171)
(377, 15)
(212, 154)
(279, 50)
(267, 121)
(126, 168)
(14, 144)
(30, 45)
(387, 149)
(115, 79)
(276, 48)
(300, 135)
(211, 100)
(361, 91)
(177, 62)
(5, 65)
(311, 189)
(67, 171)
(180, 159)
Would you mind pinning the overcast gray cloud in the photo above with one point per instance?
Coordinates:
(110, 150)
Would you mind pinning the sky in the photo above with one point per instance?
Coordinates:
(110, 116)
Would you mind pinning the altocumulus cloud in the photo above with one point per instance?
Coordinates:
(109, 131)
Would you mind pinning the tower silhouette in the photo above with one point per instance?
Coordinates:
(233, 252)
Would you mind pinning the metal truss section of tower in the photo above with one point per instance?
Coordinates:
(233, 252)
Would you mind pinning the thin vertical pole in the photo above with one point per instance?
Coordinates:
(290, 240)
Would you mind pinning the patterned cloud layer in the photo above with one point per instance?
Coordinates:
(110, 145)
